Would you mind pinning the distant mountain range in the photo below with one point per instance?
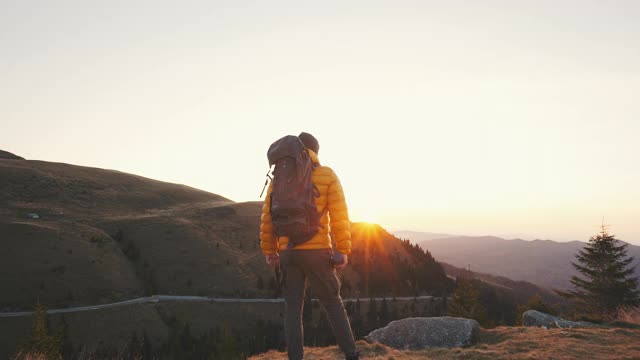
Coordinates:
(543, 262)
(417, 237)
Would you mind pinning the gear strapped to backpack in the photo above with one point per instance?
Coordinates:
(293, 207)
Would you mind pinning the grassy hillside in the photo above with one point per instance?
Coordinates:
(9, 156)
(102, 236)
(61, 191)
(76, 235)
(61, 264)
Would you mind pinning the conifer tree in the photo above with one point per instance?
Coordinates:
(227, 346)
(534, 303)
(383, 313)
(372, 314)
(465, 302)
(41, 342)
(357, 321)
(606, 282)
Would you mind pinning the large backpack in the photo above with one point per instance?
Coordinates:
(293, 207)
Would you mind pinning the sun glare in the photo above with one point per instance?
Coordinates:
(368, 224)
(367, 216)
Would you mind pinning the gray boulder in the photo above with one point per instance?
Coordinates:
(540, 319)
(423, 333)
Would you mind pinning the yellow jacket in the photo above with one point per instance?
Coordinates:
(335, 220)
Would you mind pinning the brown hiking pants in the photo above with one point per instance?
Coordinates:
(317, 267)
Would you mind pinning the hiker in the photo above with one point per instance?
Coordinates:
(304, 204)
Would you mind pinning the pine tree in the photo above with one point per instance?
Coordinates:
(534, 303)
(465, 302)
(606, 281)
(227, 346)
(372, 314)
(383, 313)
(357, 320)
(41, 342)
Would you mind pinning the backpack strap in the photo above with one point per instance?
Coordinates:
(266, 182)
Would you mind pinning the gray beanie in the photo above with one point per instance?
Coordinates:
(309, 141)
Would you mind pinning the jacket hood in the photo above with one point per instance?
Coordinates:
(314, 157)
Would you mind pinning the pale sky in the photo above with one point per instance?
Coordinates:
(509, 118)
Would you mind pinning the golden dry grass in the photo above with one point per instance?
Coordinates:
(29, 356)
(506, 343)
(629, 314)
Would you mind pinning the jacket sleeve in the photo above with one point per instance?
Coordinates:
(339, 216)
(268, 242)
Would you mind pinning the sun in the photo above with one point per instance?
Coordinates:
(367, 224)
(365, 216)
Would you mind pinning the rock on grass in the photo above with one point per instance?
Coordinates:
(424, 333)
(540, 319)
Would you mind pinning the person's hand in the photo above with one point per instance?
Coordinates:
(272, 259)
(340, 260)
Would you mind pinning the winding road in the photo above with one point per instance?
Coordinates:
(169, 298)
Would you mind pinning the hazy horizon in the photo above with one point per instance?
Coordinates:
(501, 118)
